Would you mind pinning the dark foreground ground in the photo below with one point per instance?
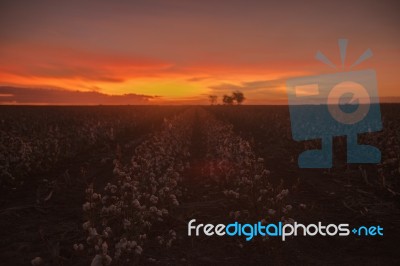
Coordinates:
(41, 210)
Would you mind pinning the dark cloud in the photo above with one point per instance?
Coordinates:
(65, 72)
(12, 95)
(195, 79)
(225, 87)
(249, 86)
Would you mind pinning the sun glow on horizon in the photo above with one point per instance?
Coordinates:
(182, 52)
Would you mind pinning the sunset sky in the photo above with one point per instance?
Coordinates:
(172, 52)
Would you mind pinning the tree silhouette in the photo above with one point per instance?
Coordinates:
(238, 96)
(228, 100)
(213, 99)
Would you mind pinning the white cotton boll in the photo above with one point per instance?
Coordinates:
(172, 233)
(160, 240)
(173, 183)
(104, 199)
(97, 261)
(113, 189)
(126, 186)
(107, 260)
(75, 247)
(117, 254)
(37, 261)
(114, 198)
(104, 247)
(132, 244)
(175, 202)
(303, 206)
(86, 225)
(104, 210)
(116, 171)
(290, 221)
(147, 224)
(126, 224)
(138, 250)
(153, 199)
(123, 243)
(164, 211)
(151, 260)
(86, 206)
(92, 232)
(112, 208)
(282, 194)
(136, 204)
(81, 247)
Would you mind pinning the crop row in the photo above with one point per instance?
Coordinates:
(120, 218)
(37, 140)
(242, 176)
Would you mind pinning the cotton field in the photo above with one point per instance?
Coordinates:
(118, 185)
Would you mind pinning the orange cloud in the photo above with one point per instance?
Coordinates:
(185, 50)
(41, 61)
(11, 95)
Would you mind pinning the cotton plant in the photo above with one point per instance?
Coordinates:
(242, 175)
(35, 147)
(141, 194)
